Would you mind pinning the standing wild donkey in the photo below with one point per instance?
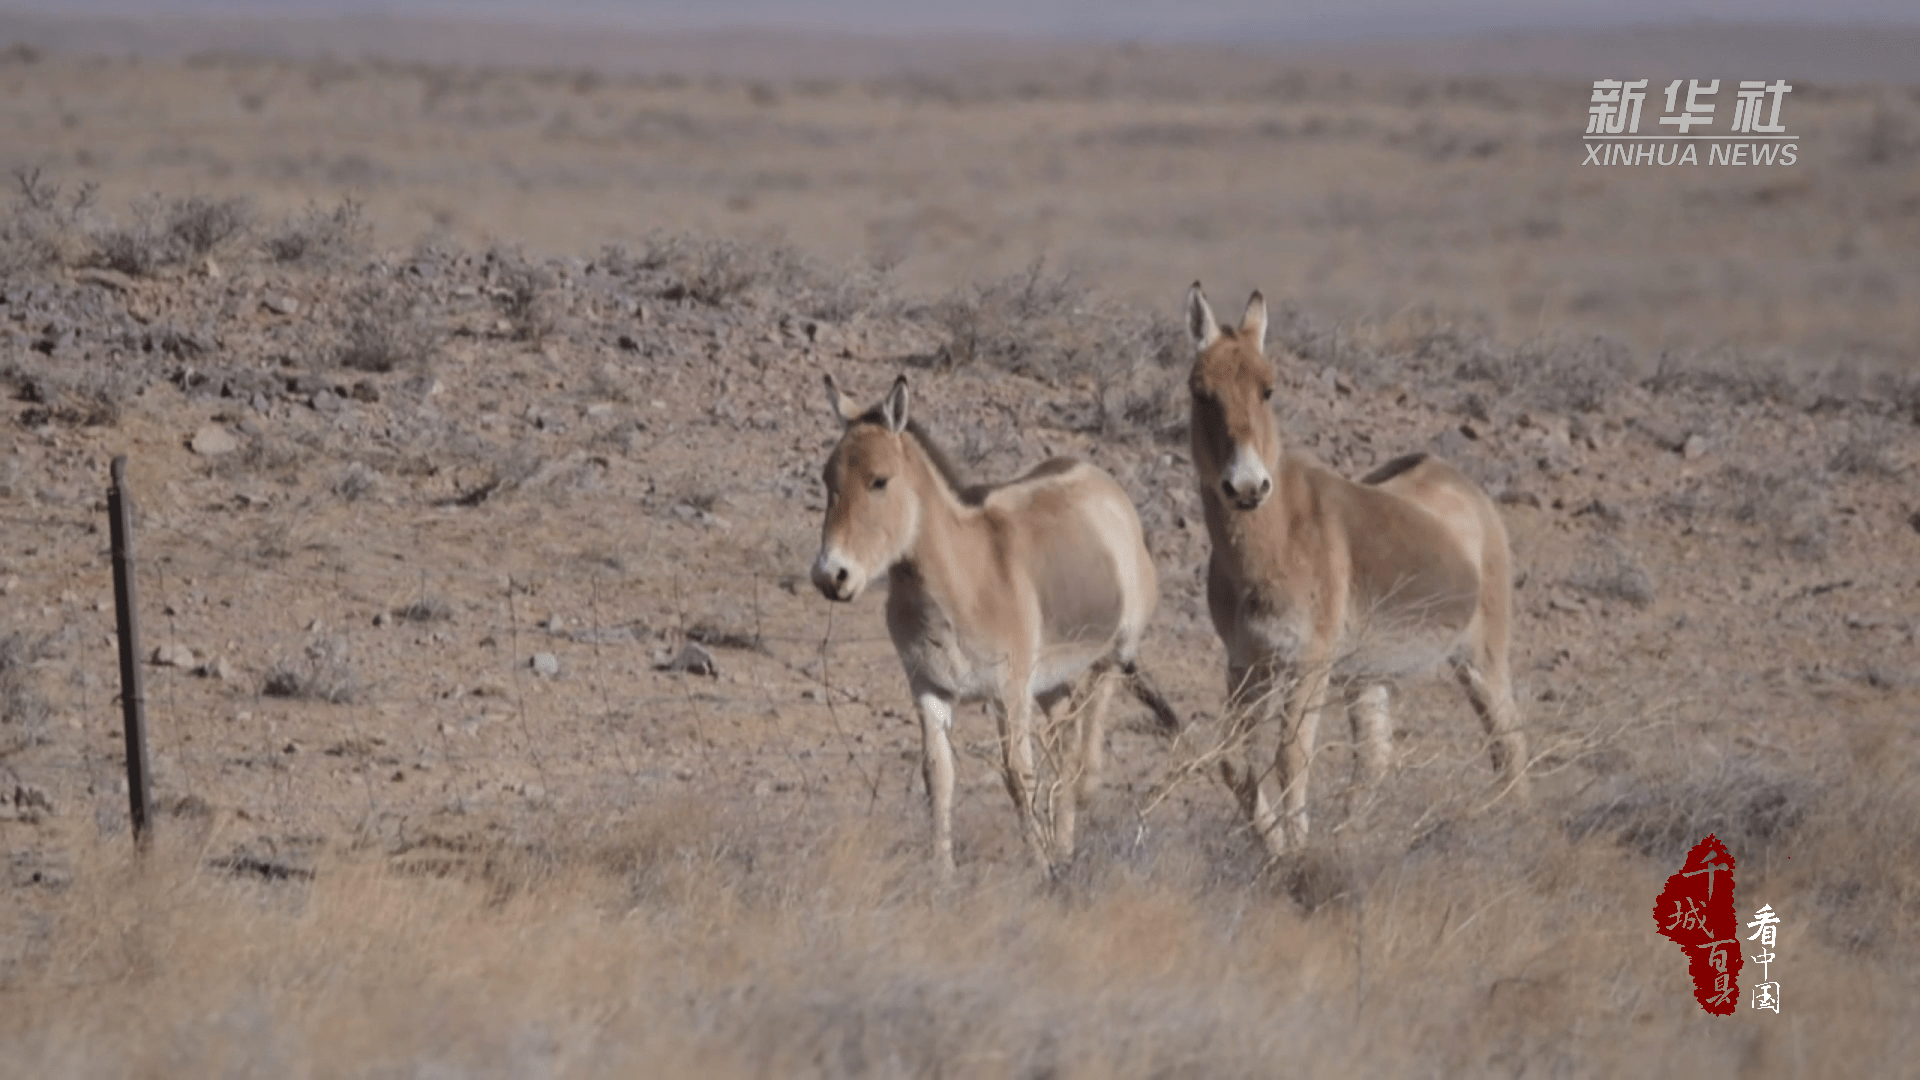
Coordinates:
(1008, 593)
(1315, 578)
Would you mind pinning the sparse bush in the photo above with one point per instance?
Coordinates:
(1663, 814)
(197, 226)
(41, 229)
(1557, 376)
(1789, 510)
(713, 271)
(167, 234)
(320, 237)
(1613, 573)
(384, 332)
(24, 712)
(425, 609)
(323, 672)
(356, 482)
(82, 396)
(523, 293)
(1047, 327)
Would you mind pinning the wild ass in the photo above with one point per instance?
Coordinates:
(1315, 578)
(1008, 593)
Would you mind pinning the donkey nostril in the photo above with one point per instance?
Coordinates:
(841, 577)
(1266, 485)
(1227, 486)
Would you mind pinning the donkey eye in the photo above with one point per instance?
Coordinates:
(879, 483)
(1202, 397)
(1266, 393)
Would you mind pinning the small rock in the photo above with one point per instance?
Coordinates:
(280, 304)
(212, 269)
(326, 401)
(213, 440)
(216, 668)
(545, 664)
(1694, 447)
(1562, 602)
(380, 618)
(694, 659)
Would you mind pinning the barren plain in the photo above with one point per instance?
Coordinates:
(474, 424)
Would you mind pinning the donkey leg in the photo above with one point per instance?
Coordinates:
(1491, 691)
(1089, 711)
(1016, 739)
(1249, 696)
(936, 764)
(1299, 732)
(1372, 733)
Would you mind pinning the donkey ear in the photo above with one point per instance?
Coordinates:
(843, 406)
(1201, 326)
(1253, 325)
(894, 409)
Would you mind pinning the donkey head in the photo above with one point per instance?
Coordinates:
(1236, 442)
(873, 508)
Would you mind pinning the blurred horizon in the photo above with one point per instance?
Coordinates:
(862, 39)
(1200, 21)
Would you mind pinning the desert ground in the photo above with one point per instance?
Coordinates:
(474, 422)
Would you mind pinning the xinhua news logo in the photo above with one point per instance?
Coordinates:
(1756, 136)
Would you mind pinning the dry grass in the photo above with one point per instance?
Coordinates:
(384, 330)
(1048, 326)
(323, 672)
(319, 236)
(691, 940)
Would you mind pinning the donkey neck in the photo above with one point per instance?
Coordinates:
(953, 534)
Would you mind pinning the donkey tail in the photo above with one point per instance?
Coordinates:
(1166, 721)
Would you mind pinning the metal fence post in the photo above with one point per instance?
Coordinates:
(133, 695)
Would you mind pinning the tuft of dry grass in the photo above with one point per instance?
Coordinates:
(319, 236)
(524, 295)
(24, 710)
(323, 672)
(166, 233)
(385, 331)
(1047, 326)
(42, 229)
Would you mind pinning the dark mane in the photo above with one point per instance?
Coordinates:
(968, 493)
(1393, 468)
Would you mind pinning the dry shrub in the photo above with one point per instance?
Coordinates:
(1787, 511)
(1557, 376)
(164, 234)
(1611, 572)
(24, 711)
(323, 672)
(81, 396)
(321, 237)
(42, 229)
(524, 295)
(385, 330)
(1047, 327)
(712, 271)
